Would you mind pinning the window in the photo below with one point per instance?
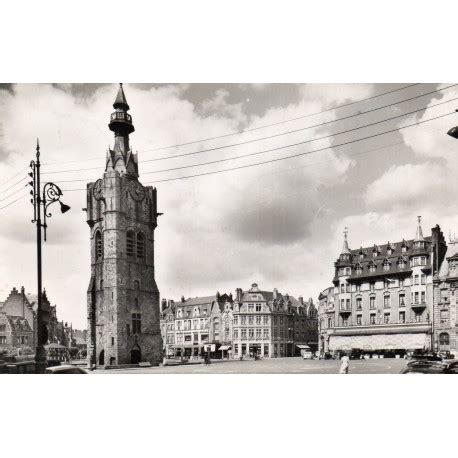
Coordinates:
(258, 334)
(112, 341)
(386, 318)
(345, 321)
(423, 294)
(236, 320)
(359, 320)
(243, 320)
(251, 333)
(372, 268)
(258, 320)
(98, 246)
(140, 245)
(251, 307)
(130, 237)
(359, 270)
(250, 319)
(358, 287)
(416, 280)
(402, 300)
(372, 318)
(330, 323)
(402, 317)
(418, 317)
(401, 283)
(243, 334)
(265, 334)
(372, 302)
(258, 307)
(136, 323)
(444, 316)
(444, 339)
(281, 320)
(423, 279)
(416, 297)
(386, 266)
(2, 339)
(386, 301)
(359, 303)
(423, 260)
(342, 288)
(266, 319)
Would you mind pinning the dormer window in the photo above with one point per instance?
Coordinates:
(386, 265)
(358, 270)
(372, 268)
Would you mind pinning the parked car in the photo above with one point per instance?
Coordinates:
(307, 354)
(430, 367)
(68, 369)
(423, 356)
(325, 355)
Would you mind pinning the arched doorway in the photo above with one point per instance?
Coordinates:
(444, 342)
(102, 358)
(135, 355)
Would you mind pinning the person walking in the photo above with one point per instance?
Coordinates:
(344, 366)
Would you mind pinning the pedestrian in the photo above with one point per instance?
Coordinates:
(344, 366)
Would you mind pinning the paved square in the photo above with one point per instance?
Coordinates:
(273, 366)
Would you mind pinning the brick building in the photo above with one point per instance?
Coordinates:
(123, 298)
(21, 304)
(15, 332)
(271, 324)
(382, 296)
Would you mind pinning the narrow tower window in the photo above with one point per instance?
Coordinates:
(140, 245)
(98, 246)
(130, 243)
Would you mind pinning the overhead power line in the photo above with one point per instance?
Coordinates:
(268, 137)
(253, 128)
(283, 146)
(291, 156)
(13, 202)
(282, 122)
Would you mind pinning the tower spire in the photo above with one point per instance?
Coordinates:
(345, 249)
(419, 235)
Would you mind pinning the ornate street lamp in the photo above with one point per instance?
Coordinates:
(51, 193)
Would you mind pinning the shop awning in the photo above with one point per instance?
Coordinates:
(224, 347)
(303, 347)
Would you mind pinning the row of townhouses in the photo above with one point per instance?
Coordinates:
(253, 322)
(392, 298)
(18, 323)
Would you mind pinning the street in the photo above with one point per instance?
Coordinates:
(272, 366)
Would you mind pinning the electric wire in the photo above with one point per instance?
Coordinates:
(253, 128)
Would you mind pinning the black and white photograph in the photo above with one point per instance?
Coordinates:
(256, 228)
(236, 221)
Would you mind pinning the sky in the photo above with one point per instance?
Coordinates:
(278, 224)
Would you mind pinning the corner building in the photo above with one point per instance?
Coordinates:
(383, 296)
(123, 298)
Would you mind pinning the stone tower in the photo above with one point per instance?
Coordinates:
(123, 298)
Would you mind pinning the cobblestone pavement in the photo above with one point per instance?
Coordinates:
(273, 366)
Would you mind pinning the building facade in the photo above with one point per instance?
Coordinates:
(123, 298)
(271, 325)
(382, 296)
(445, 302)
(189, 326)
(20, 304)
(15, 332)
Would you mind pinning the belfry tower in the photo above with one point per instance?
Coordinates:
(123, 298)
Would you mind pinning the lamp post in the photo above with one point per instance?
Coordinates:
(51, 193)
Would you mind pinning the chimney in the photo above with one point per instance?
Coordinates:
(301, 300)
(164, 304)
(239, 294)
(275, 294)
(183, 299)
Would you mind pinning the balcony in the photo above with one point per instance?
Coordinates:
(344, 310)
(418, 305)
(121, 116)
(394, 327)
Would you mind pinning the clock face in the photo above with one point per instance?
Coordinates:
(97, 190)
(137, 191)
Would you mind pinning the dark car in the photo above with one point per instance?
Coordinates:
(423, 356)
(430, 367)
